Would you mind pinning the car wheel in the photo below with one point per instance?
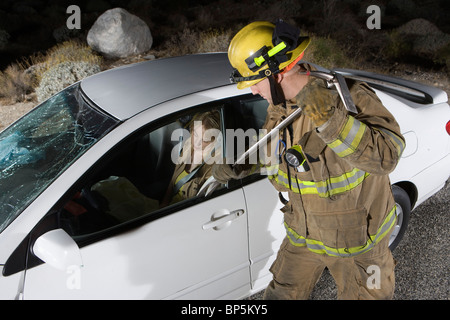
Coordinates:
(403, 212)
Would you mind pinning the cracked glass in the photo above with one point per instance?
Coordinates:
(40, 146)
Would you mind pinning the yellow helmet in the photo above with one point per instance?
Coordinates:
(261, 49)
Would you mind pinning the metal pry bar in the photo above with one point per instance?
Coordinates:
(337, 80)
(211, 184)
(333, 79)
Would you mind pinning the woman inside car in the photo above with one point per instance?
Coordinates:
(193, 167)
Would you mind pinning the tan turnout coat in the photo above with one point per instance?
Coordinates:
(343, 205)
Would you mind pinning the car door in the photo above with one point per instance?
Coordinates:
(196, 248)
(175, 257)
(266, 229)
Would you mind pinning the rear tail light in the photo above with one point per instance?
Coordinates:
(447, 127)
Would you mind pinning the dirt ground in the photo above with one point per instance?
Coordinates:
(10, 113)
(440, 79)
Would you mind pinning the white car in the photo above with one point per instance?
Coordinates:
(57, 243)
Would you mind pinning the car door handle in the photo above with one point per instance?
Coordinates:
(222, 219)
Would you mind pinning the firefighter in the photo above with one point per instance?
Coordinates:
(333, 164)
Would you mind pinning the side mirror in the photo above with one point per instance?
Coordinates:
(58, 249)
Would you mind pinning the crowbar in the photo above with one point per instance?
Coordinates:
(333, 79)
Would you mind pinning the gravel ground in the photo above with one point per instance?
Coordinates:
(10, 113)
(423, 256)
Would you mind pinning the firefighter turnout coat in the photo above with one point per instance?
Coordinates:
(340, 199)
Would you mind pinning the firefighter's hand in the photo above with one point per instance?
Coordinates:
(317, 101)
(225, 172)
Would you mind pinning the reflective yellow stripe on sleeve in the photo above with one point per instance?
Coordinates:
(396, 140)
(349, 137)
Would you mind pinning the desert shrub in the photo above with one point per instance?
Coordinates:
(442, 56)
(62, 75)
(61, 66)
(184, 42)
(73, 51)
(398, 45)
(15, 83)
(214, 40)
(327, 53)
(189, 41)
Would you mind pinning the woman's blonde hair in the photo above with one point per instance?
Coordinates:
(209, 119)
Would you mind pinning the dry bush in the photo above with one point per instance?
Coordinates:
(398, 45)
(443, 57)
(190, 41)
(72, 59)
(182, 43)
(63, 75)
(327, 53)
(68, 51)
(214, 40)
(72, 51)
(63, 64)
(15, 84)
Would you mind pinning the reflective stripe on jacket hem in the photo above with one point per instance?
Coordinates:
(320, 248)
(323, 189)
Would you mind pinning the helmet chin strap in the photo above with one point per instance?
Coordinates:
(276, 92)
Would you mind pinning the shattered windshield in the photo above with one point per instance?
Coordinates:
(40, 146)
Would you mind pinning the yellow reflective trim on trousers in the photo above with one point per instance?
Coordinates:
(318, 247)
(349, 138)
(324, 189)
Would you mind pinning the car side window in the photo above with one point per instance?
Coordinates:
(252, 112)
(154, 170)
(244, 123)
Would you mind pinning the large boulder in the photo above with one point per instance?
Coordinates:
(119, 34)
(425, 38)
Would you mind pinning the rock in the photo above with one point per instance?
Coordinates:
(431, 44)
(418, 27)
(119, 34)
(425, 37)
(422, 39)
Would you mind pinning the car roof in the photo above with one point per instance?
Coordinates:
(126, 91)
